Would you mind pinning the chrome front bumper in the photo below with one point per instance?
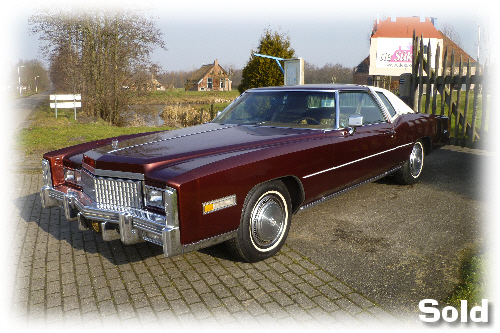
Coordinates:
(128, 224)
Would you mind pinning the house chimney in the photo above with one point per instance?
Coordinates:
(216, 63)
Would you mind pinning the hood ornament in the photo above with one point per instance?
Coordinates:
(114, 144)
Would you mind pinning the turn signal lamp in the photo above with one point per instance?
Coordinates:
(218, 204)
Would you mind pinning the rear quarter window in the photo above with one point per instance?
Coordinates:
(387, 104)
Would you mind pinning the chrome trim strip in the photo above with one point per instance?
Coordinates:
(358, 160)
(169, 138)
(88, 168)
(304, 90)
(337, 110)
(209, 242)
(336, 194)
(119, 174)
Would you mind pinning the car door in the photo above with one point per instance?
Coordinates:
(361, 152)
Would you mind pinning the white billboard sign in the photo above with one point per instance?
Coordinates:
(66, 105)
(66, 102)
(294, 71)
(394, 53)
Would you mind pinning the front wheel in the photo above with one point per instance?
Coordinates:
(264, 224)
(412, 168)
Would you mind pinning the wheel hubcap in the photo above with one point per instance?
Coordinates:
(416, 160)
(268, 220)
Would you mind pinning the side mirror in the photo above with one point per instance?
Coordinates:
(354, 121)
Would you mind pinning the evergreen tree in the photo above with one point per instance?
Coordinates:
(264, 72)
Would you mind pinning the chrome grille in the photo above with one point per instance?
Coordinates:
(109, 192)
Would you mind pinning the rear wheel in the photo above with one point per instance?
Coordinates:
(412, 168)
(264, 224)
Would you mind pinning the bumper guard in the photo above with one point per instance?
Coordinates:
(127, 224)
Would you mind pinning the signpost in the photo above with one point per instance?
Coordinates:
(66, 102)
(294, 69)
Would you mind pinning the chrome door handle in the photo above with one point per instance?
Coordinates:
(392, 133)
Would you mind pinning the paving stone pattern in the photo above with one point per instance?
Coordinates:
(63, 276)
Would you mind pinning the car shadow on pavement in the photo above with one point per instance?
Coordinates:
(452, 169)
(53, 222)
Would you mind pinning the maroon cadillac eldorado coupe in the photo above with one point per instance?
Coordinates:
(239, 178)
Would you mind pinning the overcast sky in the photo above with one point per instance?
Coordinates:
(321, 32)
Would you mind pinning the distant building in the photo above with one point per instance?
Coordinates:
(391, 49)
(210, 77)
(142, 82)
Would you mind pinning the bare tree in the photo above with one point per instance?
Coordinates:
(33, 75)
(449, 31)
(95, 52)
(329, 73)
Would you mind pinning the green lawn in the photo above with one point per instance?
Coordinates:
(49, 133)
(479, 113)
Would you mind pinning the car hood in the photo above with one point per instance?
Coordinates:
(156, 150)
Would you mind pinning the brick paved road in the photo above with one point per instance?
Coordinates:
(62, 276)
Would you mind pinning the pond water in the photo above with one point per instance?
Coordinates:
(152, 115)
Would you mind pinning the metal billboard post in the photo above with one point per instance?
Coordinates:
(274, 58)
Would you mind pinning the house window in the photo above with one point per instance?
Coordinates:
(222, 83)
(209, 83)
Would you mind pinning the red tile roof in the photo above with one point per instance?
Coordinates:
(403, 28)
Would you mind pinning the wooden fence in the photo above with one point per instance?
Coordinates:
(455, 90)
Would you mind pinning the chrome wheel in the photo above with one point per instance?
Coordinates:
(416, 159)
(268, 220)
(411, 169)
(265, 221)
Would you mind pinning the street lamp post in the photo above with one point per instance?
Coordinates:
(19, 76)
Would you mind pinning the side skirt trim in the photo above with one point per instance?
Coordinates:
(335, 194)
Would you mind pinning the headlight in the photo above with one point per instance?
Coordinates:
(72, 176)
(165, 199)
(154, 197)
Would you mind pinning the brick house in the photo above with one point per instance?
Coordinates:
(211, 77)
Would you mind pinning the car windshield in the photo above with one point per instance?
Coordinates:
(310, 109)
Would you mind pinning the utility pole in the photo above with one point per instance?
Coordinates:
(479, 41)
(19, 76)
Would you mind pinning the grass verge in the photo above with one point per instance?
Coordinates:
(473, 285)
(48, 133)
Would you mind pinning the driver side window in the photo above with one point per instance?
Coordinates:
(359, 103)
